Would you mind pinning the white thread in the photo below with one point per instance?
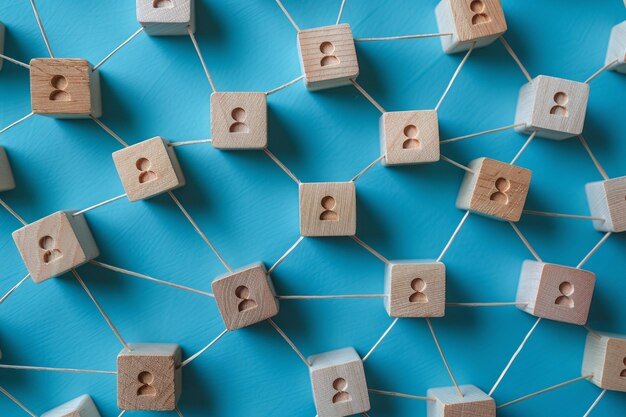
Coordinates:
(591, 155)
(343, 3)
(43, 32)
(282, 258)
(456, 232)
(367, 96)
(595, 403)
(534, 394)
(327, 297)
(371, 250)
(524, 146)
(473, 135)
(566, 216)
(515, 58)
(281, 165)
(456, 73)
(106, 58)
(289, 342)
(110, 200)
(16, 401)
(398, 394)
(109, 131)
(15, 287)
(13, 212)
(201, 351)
(206, 70)
(595, 248)
(280, 4)
(46, 368)
(525, 241)
(295, 80)
(600, 71)
(367, 168)
(189, 142)
(15, 61)
(394, 38)
(380, 339)
(456, 164)
(443, 357)
(16, 122)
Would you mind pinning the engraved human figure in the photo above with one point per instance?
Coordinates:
(418, 285)
(239, 126)
(341, 395)
(51, 253)
(145, 174)
(328, 49)
(411, 141)
(243, 293)
(566, 289)
(162, 4)
(329, 204)
(59, 83)
(146, 389)
(623, 373)
(479, 17)
(500, 196)
(559, 109)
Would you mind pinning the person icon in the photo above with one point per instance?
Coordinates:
(51, 253)
(162, 4)
(500, 196)
(623, 373)
(329, 203)
(411, 141)
(145, 174)
(479, 17)
(341, 395)
(59, 83)
(328, 49)
(243, 293)
(559, 109)
(566, 289)
(239, 126)
(418, 285)
(146, 389)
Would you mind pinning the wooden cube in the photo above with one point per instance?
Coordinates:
(245, 297)
(166, 17)
(148, 168)
(239, 120)
(55, 244)
(338, 383)
(64, 88)
(607, 200)
(7, 182)
(555, 292)
(553, 107)
(82, 406)
(149, 377)
(617, 48)
(448, 402)
(328, 209)
(2, 31)
(409, 137)
(469, 21)
(496, 189)
(328, 56)
(415, 289)
(605, 358)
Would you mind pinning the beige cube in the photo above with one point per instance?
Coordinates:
(7, 182)
(415, 288)
(448, 402)
(64, 88)
(166, 17)
(328, 56)
(82, 406)
(55, 244)
(616, 52)
(469, 21)
(2, 31)
(328, 209)
(149, 377)
(607, 200)
(555, 292)
(554, 107)
(148, 168)
(245, 297)
(605, 358)
(495, 189)
(338, 383)
(239, 120)
(409, 137)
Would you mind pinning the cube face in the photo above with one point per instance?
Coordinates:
(495, 189)
(7, 182)
(245, 297)
(82, 406)
(166, 17)
(415, 289)
(239, 120)
(338, 383)
(448, 402)
(553, 107)
(556, 292)
(409, 137)
(328, 56)
(607, 200)
(149, 377)
(148, 168)
(64, 88)
(328, 209)
(605, 358)
(55, 244)
(469, 21)
(616, 51)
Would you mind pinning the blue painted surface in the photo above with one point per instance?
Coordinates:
(249, 207)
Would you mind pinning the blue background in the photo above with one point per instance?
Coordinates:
(249, 207)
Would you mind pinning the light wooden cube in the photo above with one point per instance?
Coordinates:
(409, 137)
(149, 377)
(166, 17)
(239, 120)
(2, 31)
(245, 297)
(469, 21)
(415, 288)
(82, 406)
(55, 244)
(7, 182)
(605, 358)
(607, 200)
(448, 402)
(555, 292)
(328, 209)
(338, 383)
(496, 189)
(64, 88)
(554, 107)
(617, 48)
(148, 168)
(328, 56)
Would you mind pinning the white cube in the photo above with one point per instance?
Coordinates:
(166, 17)
(6, 175)
(607, 200)
(82, 406)
(448, 402)
(616, 52)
